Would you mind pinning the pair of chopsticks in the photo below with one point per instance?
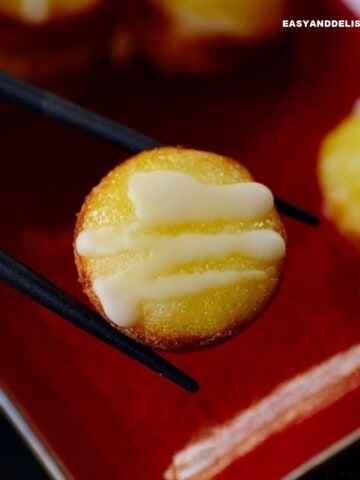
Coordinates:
(47, 294)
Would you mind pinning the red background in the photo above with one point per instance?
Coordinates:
(104, 415)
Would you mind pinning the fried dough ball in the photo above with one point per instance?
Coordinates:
(339, 176)
(179, 248)
(197, 37)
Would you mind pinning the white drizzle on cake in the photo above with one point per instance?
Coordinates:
(163, 198)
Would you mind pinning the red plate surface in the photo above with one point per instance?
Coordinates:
(102, 414)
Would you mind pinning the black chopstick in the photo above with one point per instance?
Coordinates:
(33, 98)
(38, 288)
(298, 213)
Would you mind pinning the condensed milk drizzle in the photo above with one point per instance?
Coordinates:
(163, 198)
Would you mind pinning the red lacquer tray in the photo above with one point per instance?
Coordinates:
(103, 415)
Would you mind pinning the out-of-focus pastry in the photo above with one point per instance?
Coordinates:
(40, 11)
(180, 248)
(52, 42)
(339, 176)
(197, 37)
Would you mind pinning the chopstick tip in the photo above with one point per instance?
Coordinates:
(296, 213)
(192, 386)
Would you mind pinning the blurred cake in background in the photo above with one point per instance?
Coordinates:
(194, 37)
(59, 42)
(39, 11)
(339, 176)
(54, 43)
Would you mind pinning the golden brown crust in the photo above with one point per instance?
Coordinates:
(188, 343)
(171, 342)
(174, 343)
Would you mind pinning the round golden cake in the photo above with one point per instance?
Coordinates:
(179, 248)
(339, 177)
